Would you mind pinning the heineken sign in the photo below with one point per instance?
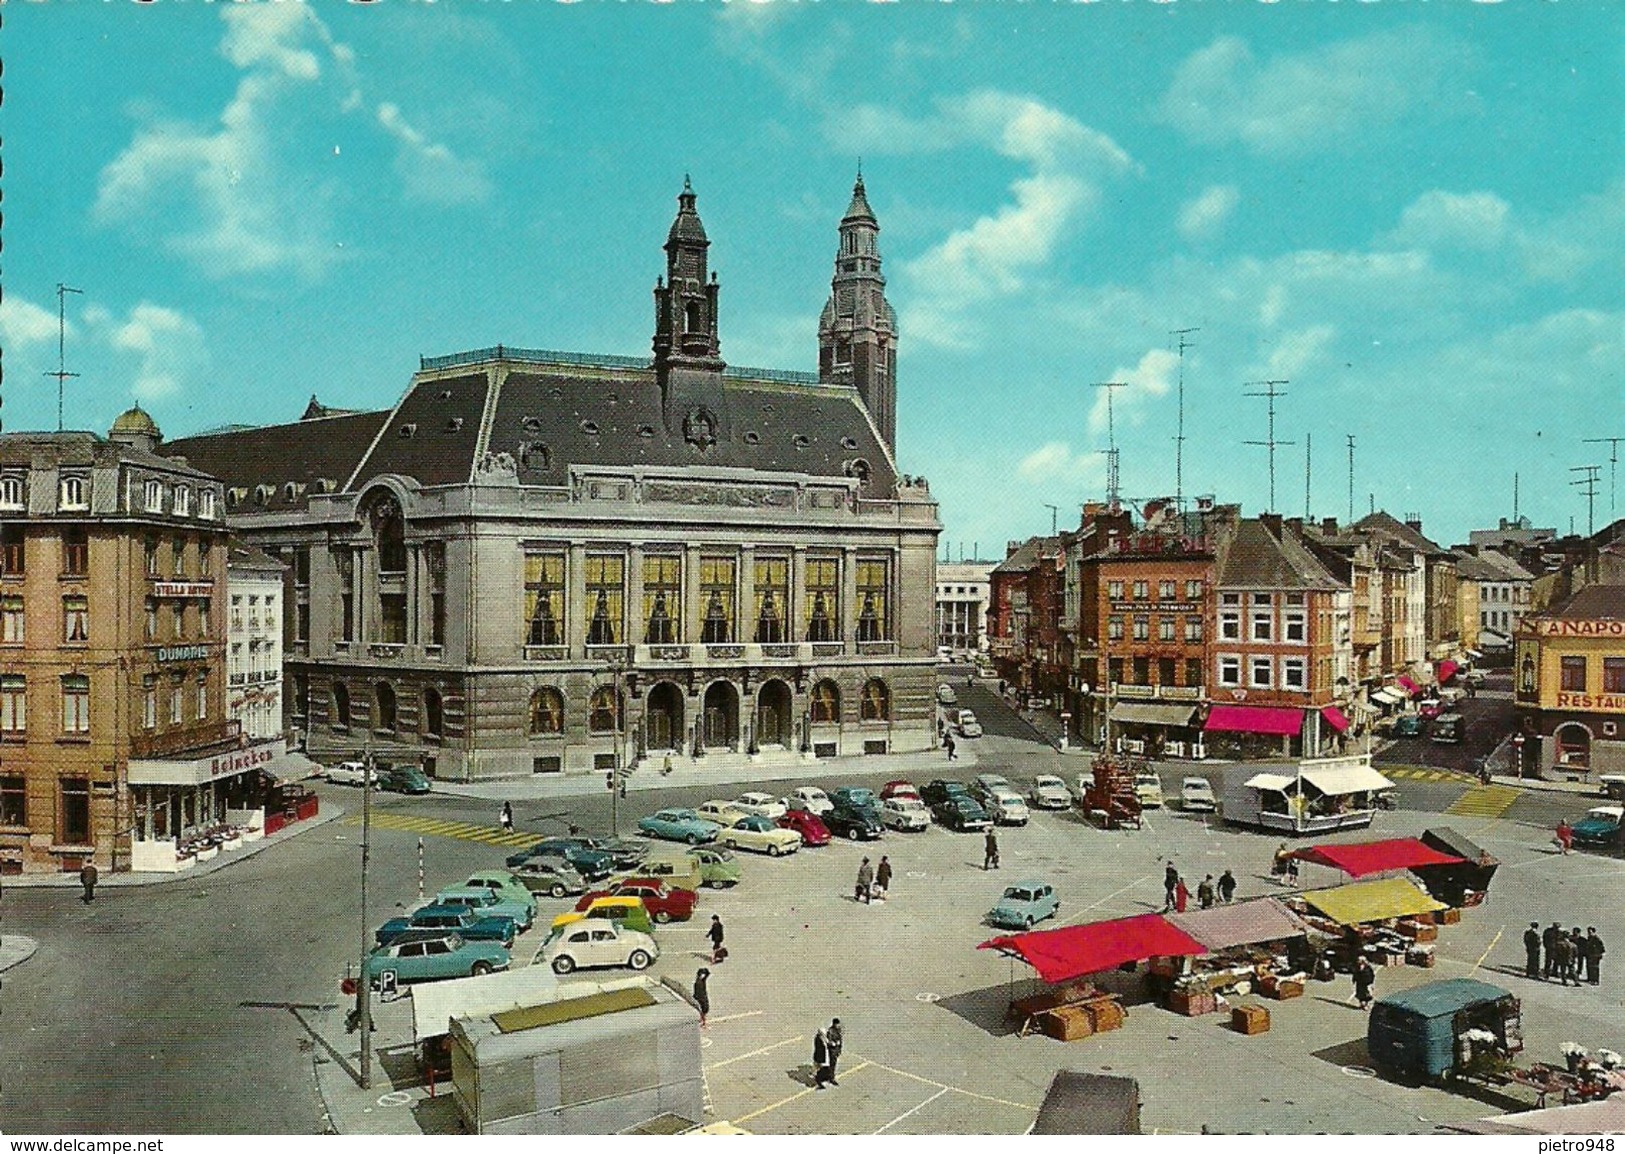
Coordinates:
(171, 653)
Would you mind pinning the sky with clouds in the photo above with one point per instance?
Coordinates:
(1414, 215)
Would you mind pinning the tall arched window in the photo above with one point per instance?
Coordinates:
(384, 709)
(603, 714)
(391, 544)
(826, 702)
(876, 705)
(341, 706)
(433, 713)
(692, 318)
(546, 712)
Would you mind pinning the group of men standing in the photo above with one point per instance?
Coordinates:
(1566, 953)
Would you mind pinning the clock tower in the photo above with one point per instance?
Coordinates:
(857, 333)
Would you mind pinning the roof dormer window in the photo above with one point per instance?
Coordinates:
(153, 492)
(183, 501)
(262, 494)
(205, 504)
(74, 492)
(11, 492)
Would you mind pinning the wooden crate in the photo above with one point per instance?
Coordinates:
(1192, 1004)
(1424, 958)
(1284, 988)
(1067, 1023)
(1249, 1019)
(1106, 1015)
(1449, 917)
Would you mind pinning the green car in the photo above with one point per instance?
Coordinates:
(424, 957)
(1408, 725)
(505, 885)
(403, 779)
(488, 903)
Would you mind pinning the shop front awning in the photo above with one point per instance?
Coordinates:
(1243, 924)
(202, 770)
(1446, 670)
(1373, 901)
(1334, 717)
(1275, 781)
(1261, 719)
(1152, 713)
(1077, 951)
(290, 767)
(1362, 859)
(1341, 779)
(1389, 696)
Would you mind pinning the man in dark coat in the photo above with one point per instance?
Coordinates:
(1577, 953)
(1364, 978)
(702, 993)
(822, 1075)
(1593, 952)
(1204, 892)
(1563, 959)
(715, 934)
(1531, 951)
(1548, 938)
(834, 1038)
(1227, 887)
(87, 878)
(990, 852)
(1170, 882)
(863, 891)
(883, 877)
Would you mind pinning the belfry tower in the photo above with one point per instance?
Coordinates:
(857, 333)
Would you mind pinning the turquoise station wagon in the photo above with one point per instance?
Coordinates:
(1023, 904)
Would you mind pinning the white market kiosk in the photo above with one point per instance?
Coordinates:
(1320, 795)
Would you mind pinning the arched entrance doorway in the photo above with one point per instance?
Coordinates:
(664, 717)
(774, 715)
(1572, 747)
(721, 715)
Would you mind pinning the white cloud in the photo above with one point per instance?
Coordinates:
(429, 169)
(1201, 217)
(1307, 101)
(24, 324)
(170, 346)
(1151, 377)
(1439, 219)
(1055, 461)
(268, 34)
(1296, 352)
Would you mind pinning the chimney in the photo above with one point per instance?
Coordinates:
(1010, 548)
(1296, 525)
(1328, 526)
(1271, 523)
(1413, 522)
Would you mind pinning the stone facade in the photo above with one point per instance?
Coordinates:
(254, 627)
(1569, 684)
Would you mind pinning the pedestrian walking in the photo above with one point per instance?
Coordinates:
(1564, 949)
(866, 881)
(1594, 950)
(1364, 978)
(506, 817)
(1170, 883)
(834, 1038)
(1548, 938)
(1531, 951)
(1577, 953)
(87, 878)
(990, 852)
(1204, 893)
(665, 766)
(1182, 896)
(822, 1074)
(702, 993)
(948, 744)
(1565, 836)
(883, 878)
(715, 934)
(1227, 887)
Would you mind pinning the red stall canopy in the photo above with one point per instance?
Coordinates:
(1409, 686)
(1447, 670)
(1075, 951)
(1334, 718)
(1254, 719)
(1375, 857)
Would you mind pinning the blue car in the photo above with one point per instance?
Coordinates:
(680, 825)
(593, 865)
(426, 957)
(1023, 904)
(466, 923)
(490, 904)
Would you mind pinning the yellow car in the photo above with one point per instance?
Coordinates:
(722, 812)
(629, 912)
(758, 833)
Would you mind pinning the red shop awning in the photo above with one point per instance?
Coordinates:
(1254, 719)
(1375, 857)
(1409, 686)
(1075, 951)
(1447, 670)
(1334, 718)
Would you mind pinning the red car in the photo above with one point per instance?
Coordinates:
(664, 903)
(812, 830)
(1431, 708)
(898, 789)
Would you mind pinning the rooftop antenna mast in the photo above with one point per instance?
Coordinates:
(1586, 482)
(1515, 517)
(61, 374)
(1054, 512)
(1270, 389)
(1179, 437)
(1308, 470)
(1351, 478)
(1111, 440)
(1613, 466)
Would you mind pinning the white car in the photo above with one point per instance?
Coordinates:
(1148, 788)
(592, 943)
(812, 799)
(724, 813)
(350, 773)
(1049, 792)
(968, 725)
(905, 813)
(946, 695)
(764, 804)
(1006, 807)
(1196, 793)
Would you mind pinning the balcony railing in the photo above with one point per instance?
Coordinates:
(546, 652)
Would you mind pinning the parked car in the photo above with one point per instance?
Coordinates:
(428, 957)
(592, 943)
(349, 773)
(665, 903)
(489, 904)
(811, 799)
(1006, 807)
(1475, 678)
(1025, 904)
(968, 725)
(1049, 792)
(403, 779)
(856, 797)
(755, 832)
(1430, 708)
(946, 695)
(982, 788)
(722, 813)
(505, 885)
(680, 825)
(939, 789)
(554, 877)
(1447, 729)
(961, 813)
(719, 869)
(1407, 725)
(591, 864)
(853, 824)
(898, 789)
(1612, 785)
(1600, 828)
(624, 853)
(1196, 794)
(473, 926)
(627, 911)
(812, 829)
(764, 804)
(1148, 788)
(904, 813)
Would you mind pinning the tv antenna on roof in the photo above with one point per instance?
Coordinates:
(1586, 482)
(61, 374)
(1271, 389)
(1179, 437)
(1111, 440)
(1613, 465)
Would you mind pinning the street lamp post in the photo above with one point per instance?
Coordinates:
(363, 986)
(617, 664)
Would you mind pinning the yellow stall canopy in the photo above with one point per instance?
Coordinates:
(1375, 901)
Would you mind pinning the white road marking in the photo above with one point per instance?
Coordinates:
(1487, 949)
(1107, 898)
(916, 1110)
(754, 1053)
(734, 1017)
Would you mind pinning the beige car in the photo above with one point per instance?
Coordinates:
(755, 832)
(724, 813)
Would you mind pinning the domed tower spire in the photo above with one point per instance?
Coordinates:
(857, 333)
(686, 301)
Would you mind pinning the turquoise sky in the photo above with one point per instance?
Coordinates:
(1414, 214)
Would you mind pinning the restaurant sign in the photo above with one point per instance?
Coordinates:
(1595, 702)
(183, 589)
(1562, 628)
(199, 771)
(182, 653)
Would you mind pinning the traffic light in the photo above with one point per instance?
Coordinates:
(623, 787)
(609, 781)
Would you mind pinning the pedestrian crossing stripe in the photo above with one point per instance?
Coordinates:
(436, 827)
(1484, 801)
(1422, 774)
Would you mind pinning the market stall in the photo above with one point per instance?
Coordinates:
(1371, 858)
(1259, 945)
(1463, 883)
(1319, 796)
(1388, 920)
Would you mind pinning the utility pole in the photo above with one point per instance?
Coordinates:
(1054, 512)
(62, 375)
(1111, 440)
(1586, 482)
(1613, 466)
(363, 985)
(617, 779)
(1514, 498)
(1271, 389)
(1179, 437)
(1308, 471)
(1351, 478)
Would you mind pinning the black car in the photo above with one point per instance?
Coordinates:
(940, 790)
(853, 824)
(591, 864)
(625, 854)
(960, 813)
